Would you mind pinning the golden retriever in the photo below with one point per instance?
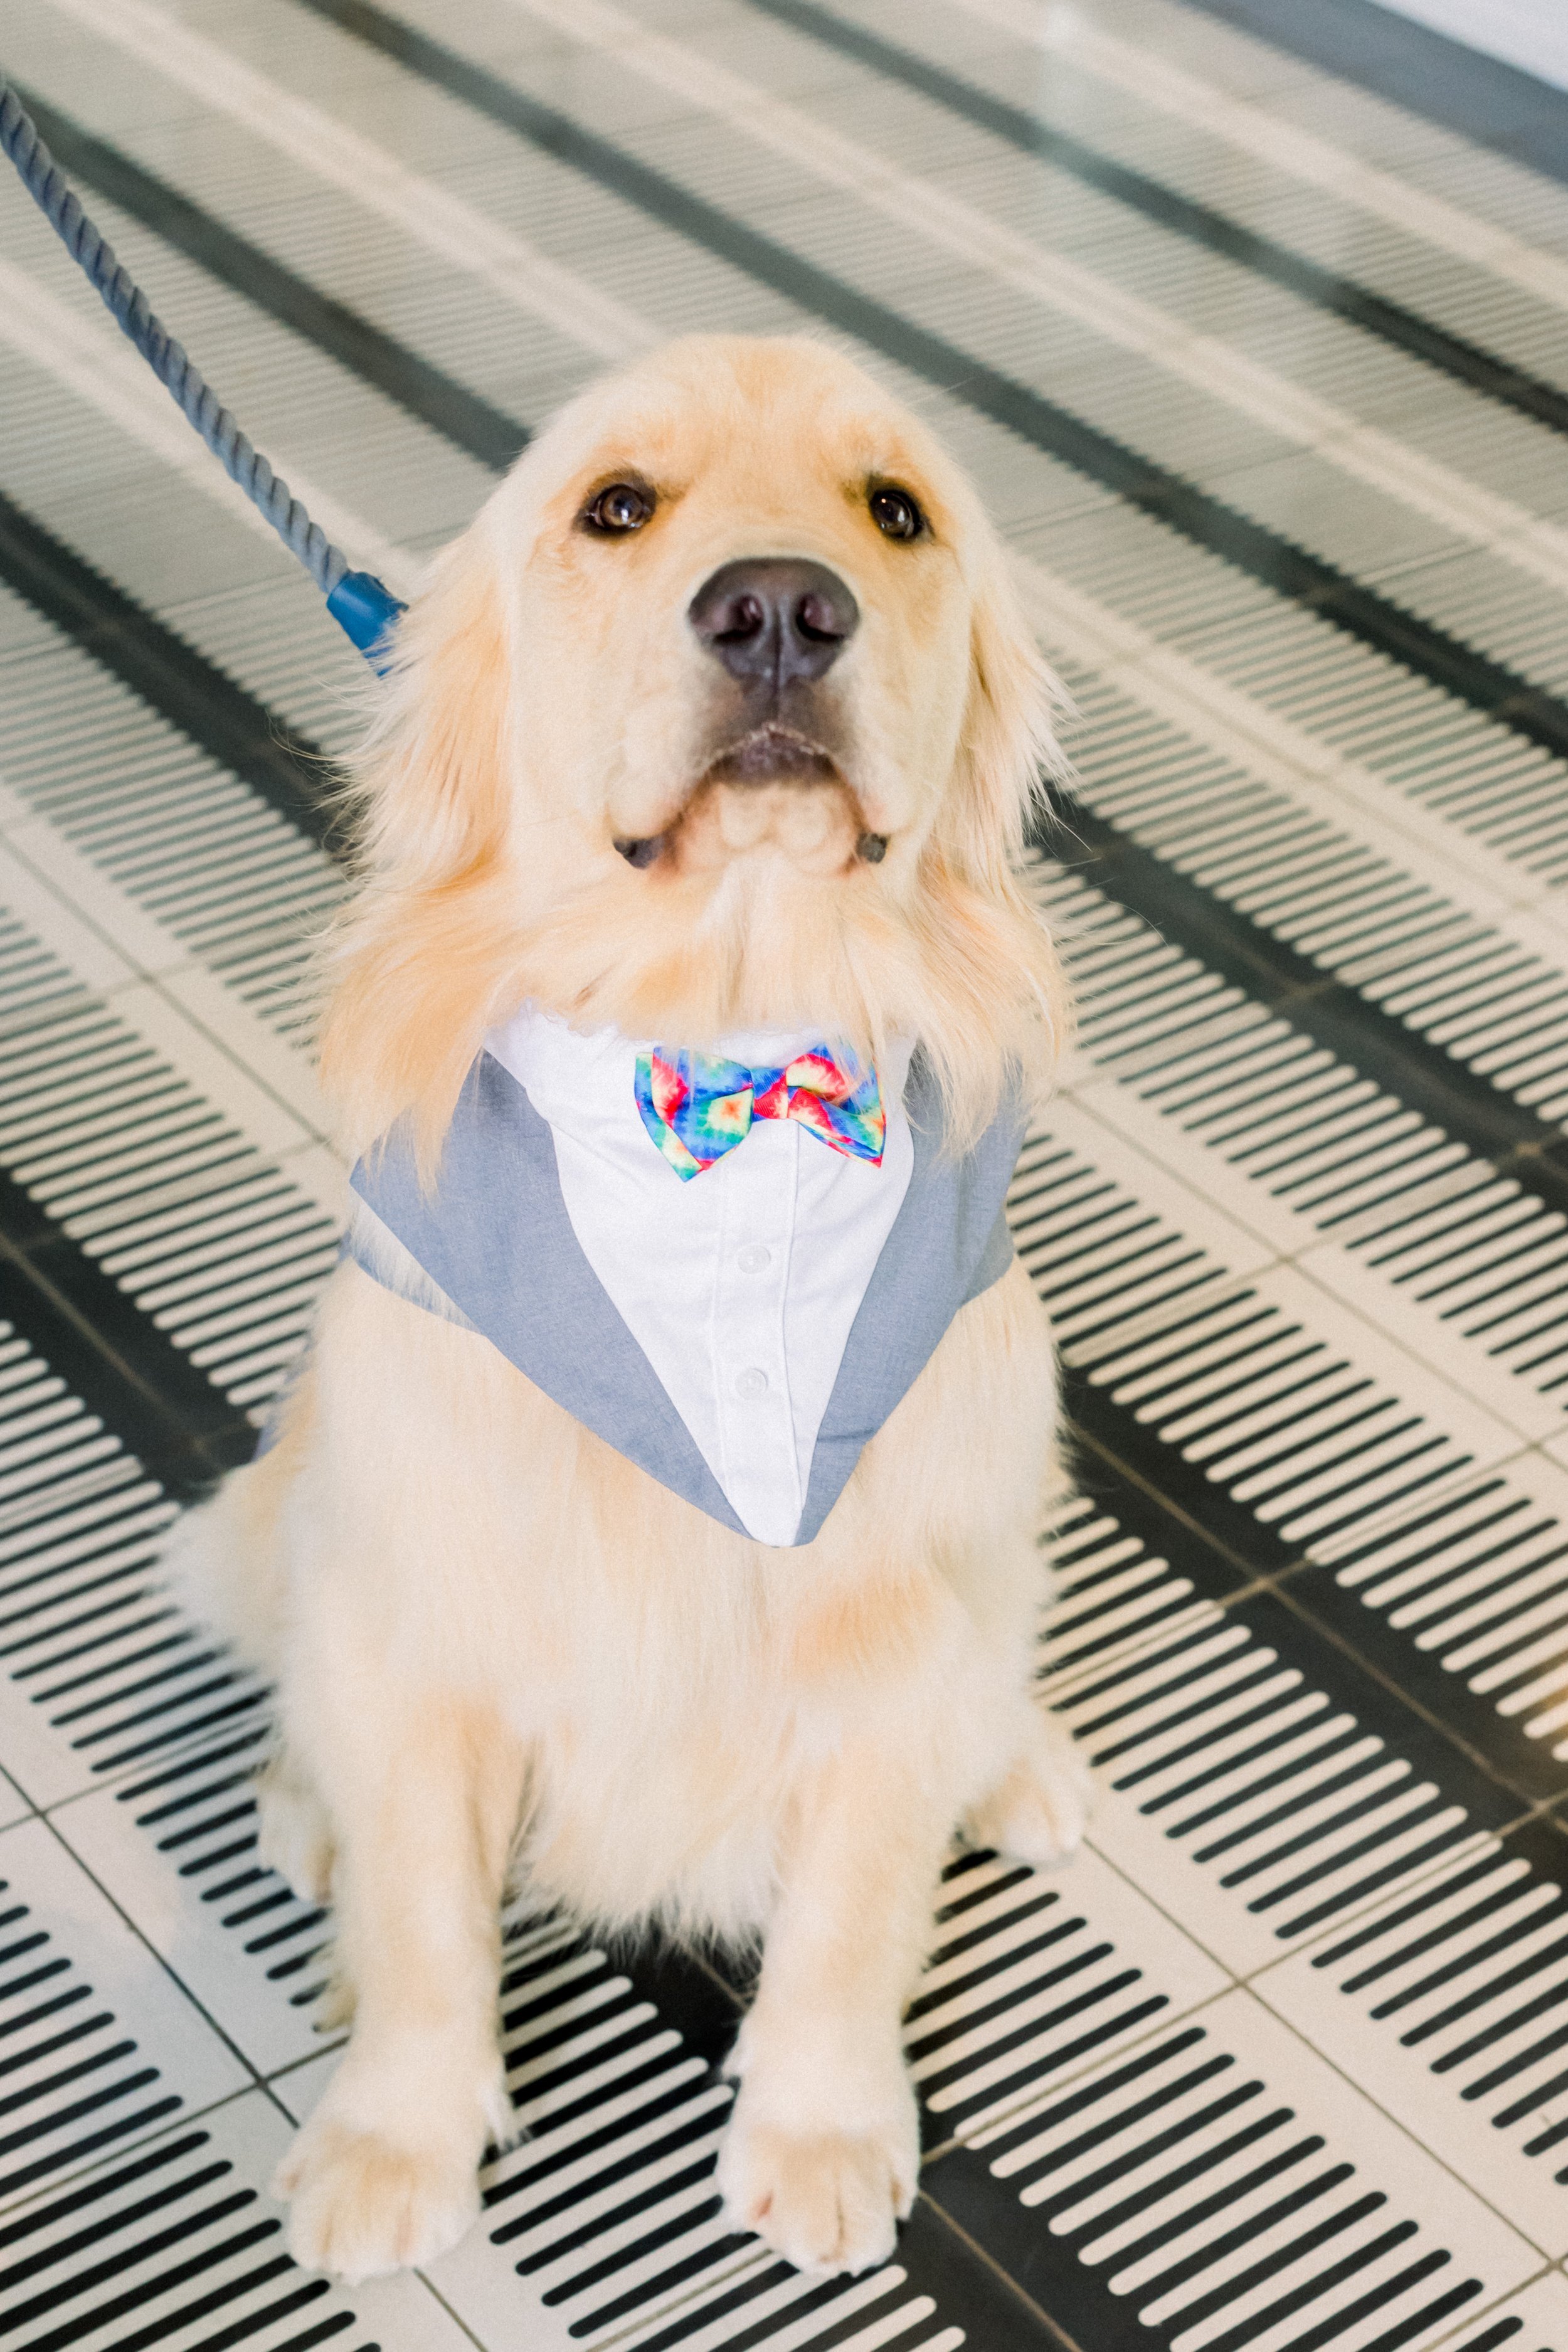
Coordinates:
(504, 1652)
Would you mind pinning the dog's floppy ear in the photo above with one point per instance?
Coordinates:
(1009, 1008)
(412, 966)
(1006, 745)
(432, 780)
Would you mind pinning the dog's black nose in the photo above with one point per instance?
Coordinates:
(774, 619)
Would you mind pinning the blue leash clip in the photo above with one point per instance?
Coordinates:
(367, 609)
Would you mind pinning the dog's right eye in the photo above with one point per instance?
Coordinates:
(624, 506)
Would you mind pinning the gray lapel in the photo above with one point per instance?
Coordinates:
(950, 1242)
(495, 1237)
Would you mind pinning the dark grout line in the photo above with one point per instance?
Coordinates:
(1173, 1504)
(1309, 581)
(995, 2329)
(1326, 290)
(469, 421)
(1489, 1765)
(166, 1968)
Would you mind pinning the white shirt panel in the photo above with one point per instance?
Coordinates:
(740, 1284)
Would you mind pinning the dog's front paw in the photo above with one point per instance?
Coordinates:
(1040, 1812)
(826, 2200)
(362, 2204)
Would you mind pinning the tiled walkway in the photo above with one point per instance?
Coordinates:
(1264, 367)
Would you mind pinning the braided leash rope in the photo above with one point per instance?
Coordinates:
(362, 604)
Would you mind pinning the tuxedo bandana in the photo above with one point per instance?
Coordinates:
(697, 1106)
(555, 1233)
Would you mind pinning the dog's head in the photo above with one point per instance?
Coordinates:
(722, 716)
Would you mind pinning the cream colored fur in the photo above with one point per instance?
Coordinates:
(500, 1647)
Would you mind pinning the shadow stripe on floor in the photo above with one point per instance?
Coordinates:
(284, 768)
(1415, 65)
(125, 1369)
(462, 416)
(1308, 580)
(1325, 290)
(1420, 1073)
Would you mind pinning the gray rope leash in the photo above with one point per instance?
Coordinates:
(358, 600)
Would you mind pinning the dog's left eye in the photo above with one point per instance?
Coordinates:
(624, 506)
(894, 512)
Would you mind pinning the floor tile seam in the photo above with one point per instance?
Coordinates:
(335, 2038)
(451, 2308)
(233, 1048)
(1400, 1891)
(1175, 685)
(165, 1966)
(1113, 2053)
(184, 1748)
(1274, 1584)
(1414, 2136)
(1150, 1135)
(1320, 1245)
(1246, 1990)
(1052, 2328)
(1344, 1920)
(1129, 1475)
(38, 2192)
(1465, 2324)
(1152, 1124)
(1178, 1926)
(1406, 2131)
(1451, 1736)
(710, 2282)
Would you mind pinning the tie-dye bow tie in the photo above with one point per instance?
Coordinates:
(697, 1106)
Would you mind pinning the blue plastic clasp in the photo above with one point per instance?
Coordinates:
(364, 608)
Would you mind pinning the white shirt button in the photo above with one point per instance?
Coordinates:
(752, 1382)
(754, 1258)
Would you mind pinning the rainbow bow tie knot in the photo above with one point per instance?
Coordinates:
(697, 1106)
